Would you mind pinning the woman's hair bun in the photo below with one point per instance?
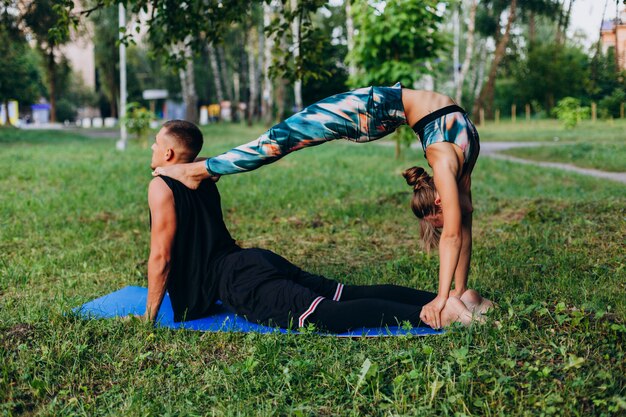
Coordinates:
(417, 177)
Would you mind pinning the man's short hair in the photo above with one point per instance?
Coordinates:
(186, 134)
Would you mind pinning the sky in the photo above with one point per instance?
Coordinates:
(587, 16)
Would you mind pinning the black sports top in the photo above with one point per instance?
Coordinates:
(201, 240)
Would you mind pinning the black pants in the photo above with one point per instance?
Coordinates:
(371, 306)
(266, 288)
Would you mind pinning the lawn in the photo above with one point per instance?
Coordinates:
(548, 248)
(603, 156)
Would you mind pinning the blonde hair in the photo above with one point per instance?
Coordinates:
(423, 204)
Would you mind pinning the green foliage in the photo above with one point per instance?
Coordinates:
(395, 40)
(20, 78)
(306, 65)
(611, 104)
(138, 120)
(570, 112)
(548, 247)
(44, 19)
(605, 75)
(332, 52)
(550, 72)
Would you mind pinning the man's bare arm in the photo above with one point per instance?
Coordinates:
(163, 230)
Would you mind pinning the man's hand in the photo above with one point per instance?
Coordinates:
(431, 312)
(191, 175)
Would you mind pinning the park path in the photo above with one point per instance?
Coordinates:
(493, 149)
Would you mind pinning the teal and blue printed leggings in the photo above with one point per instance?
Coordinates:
(361, 115)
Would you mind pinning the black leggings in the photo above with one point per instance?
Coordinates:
(371, 306)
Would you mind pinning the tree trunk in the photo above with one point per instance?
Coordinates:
(350, 37)
(268, 99)
(477, 77)
(113, 107)
(221, 59)
(485, 99)
(252, 78)
(295, 32)
(532, 28)
(566, 20)
(469, 51)
(557, 36)
(456, 22)
(188, 86)
(219, 94)
(51, 66)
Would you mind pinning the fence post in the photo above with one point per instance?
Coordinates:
(528, 112)
(513, 112)
(482, 117)
(593, 111)
(497, 116)
(621, 110)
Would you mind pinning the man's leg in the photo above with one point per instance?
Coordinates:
(342, 316)
(339, 292)
(389, 292)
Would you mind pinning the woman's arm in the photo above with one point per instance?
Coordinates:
(443, 159)
(462, 269)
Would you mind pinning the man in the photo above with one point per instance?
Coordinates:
(194, 258)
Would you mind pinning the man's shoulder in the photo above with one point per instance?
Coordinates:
(159, 192)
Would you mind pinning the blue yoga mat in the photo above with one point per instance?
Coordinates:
(132, 300)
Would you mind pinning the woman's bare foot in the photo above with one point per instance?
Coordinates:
(475, 303)
(191, 175)
(455, 311)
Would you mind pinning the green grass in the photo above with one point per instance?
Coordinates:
(613, 131)
(548, 247)
(602, 156)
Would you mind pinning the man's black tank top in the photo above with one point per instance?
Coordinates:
(201, 240)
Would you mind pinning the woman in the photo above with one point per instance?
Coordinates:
(443, 201)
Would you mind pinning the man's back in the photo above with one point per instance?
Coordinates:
(200, 240)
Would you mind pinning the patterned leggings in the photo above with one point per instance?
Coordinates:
(361, 115)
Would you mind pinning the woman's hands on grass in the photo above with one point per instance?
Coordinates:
(431, 312)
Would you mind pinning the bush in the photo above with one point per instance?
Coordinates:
(570, 112)
(138, 120)
(66, 110)
(610, 105)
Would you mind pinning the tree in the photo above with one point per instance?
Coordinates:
(488, 23)
(469, 51)
(540, 76)
(45, 22)
(485, 99)
(394, 42)
(329, 34)
(105, 23)
(19, 75)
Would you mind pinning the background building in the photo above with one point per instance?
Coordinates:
(613, 35)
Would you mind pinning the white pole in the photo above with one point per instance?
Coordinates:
(121, 144)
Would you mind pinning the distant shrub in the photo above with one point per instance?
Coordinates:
(138, 120)
(570, 112)
(66, 110)
(610, 105)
